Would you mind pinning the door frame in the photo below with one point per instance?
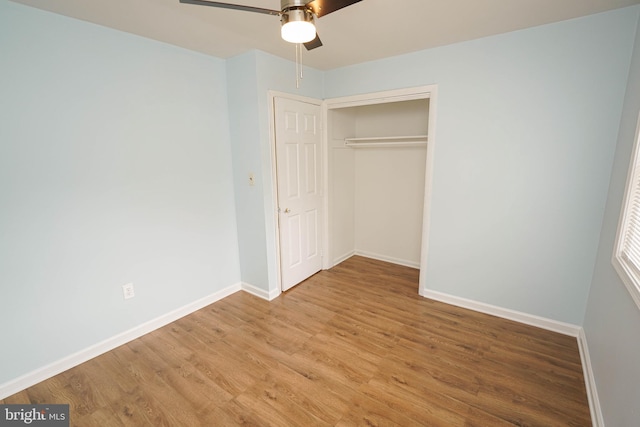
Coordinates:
(407, 94)
(274, 175)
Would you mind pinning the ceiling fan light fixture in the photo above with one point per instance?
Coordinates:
(298, 26)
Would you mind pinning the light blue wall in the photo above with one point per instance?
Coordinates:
(245, 149)
(527, 125)
(612, 320)
(251, 77)
(115, 167)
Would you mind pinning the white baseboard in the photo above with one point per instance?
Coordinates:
(505, 313)
(385, 258)
(597, 419)
(342, 258)
(34, 377)
(260, 293)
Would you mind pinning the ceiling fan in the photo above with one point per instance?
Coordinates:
(296, 16)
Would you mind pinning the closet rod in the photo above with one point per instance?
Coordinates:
(384, 144)
(386, 141)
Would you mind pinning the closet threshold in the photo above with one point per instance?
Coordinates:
(386, 141)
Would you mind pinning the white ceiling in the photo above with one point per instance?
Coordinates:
(365, 31)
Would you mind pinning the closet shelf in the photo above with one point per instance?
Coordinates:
(386, 141)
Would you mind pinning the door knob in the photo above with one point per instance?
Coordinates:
(287, 210)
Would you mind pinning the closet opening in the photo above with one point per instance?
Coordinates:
(378, 162)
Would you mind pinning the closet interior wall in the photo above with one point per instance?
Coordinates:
(376, 194)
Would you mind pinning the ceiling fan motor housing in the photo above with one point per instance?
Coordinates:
(297, 14)
(286, 4)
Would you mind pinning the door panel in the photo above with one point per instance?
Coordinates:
(311, 160)
(298, 137)
(312, 232)
(294, 233)
(292, 173)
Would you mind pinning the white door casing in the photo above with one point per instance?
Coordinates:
(300, 200)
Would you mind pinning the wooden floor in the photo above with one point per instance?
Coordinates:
(354, 345)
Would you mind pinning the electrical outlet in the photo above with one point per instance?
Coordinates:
(127, 291)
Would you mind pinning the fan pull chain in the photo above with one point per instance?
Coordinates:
(299, 65)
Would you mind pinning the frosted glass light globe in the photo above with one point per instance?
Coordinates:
(298, 31)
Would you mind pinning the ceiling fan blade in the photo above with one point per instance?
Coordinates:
(232, 6)
(324, 7)
(313, 43)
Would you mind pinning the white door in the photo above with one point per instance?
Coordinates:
(298, 137)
